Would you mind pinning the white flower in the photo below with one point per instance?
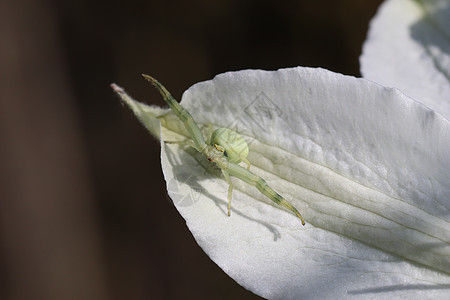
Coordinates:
(368, 167)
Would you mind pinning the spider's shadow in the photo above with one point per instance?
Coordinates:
(204, 170)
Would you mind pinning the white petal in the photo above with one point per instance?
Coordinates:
(408, 47)
(367, 167)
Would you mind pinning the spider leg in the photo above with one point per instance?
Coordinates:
(186, 142)
(230, 189)
(247, 162)
(209, 133)
(258, 182)
(181, 113)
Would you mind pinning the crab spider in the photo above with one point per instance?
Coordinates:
(225, 148)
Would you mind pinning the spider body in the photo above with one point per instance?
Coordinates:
(225, 148)
(216, 154)
(234, 145)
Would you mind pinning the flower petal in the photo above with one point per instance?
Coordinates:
(408, 47)
(366, 166)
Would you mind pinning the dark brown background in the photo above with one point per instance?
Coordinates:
(83, 207)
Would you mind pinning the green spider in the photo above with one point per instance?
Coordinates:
(225, 148)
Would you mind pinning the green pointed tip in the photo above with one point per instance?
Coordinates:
(164, 92)
(153, 81)
(299, 215)
(149, 78)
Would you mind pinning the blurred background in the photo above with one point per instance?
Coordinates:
(83, 207)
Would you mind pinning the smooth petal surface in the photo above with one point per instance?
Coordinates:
(367, 167)
(408, 47)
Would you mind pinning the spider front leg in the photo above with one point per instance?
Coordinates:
(230, 189)
(258, 182)
(181, 113)
(186, 142)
